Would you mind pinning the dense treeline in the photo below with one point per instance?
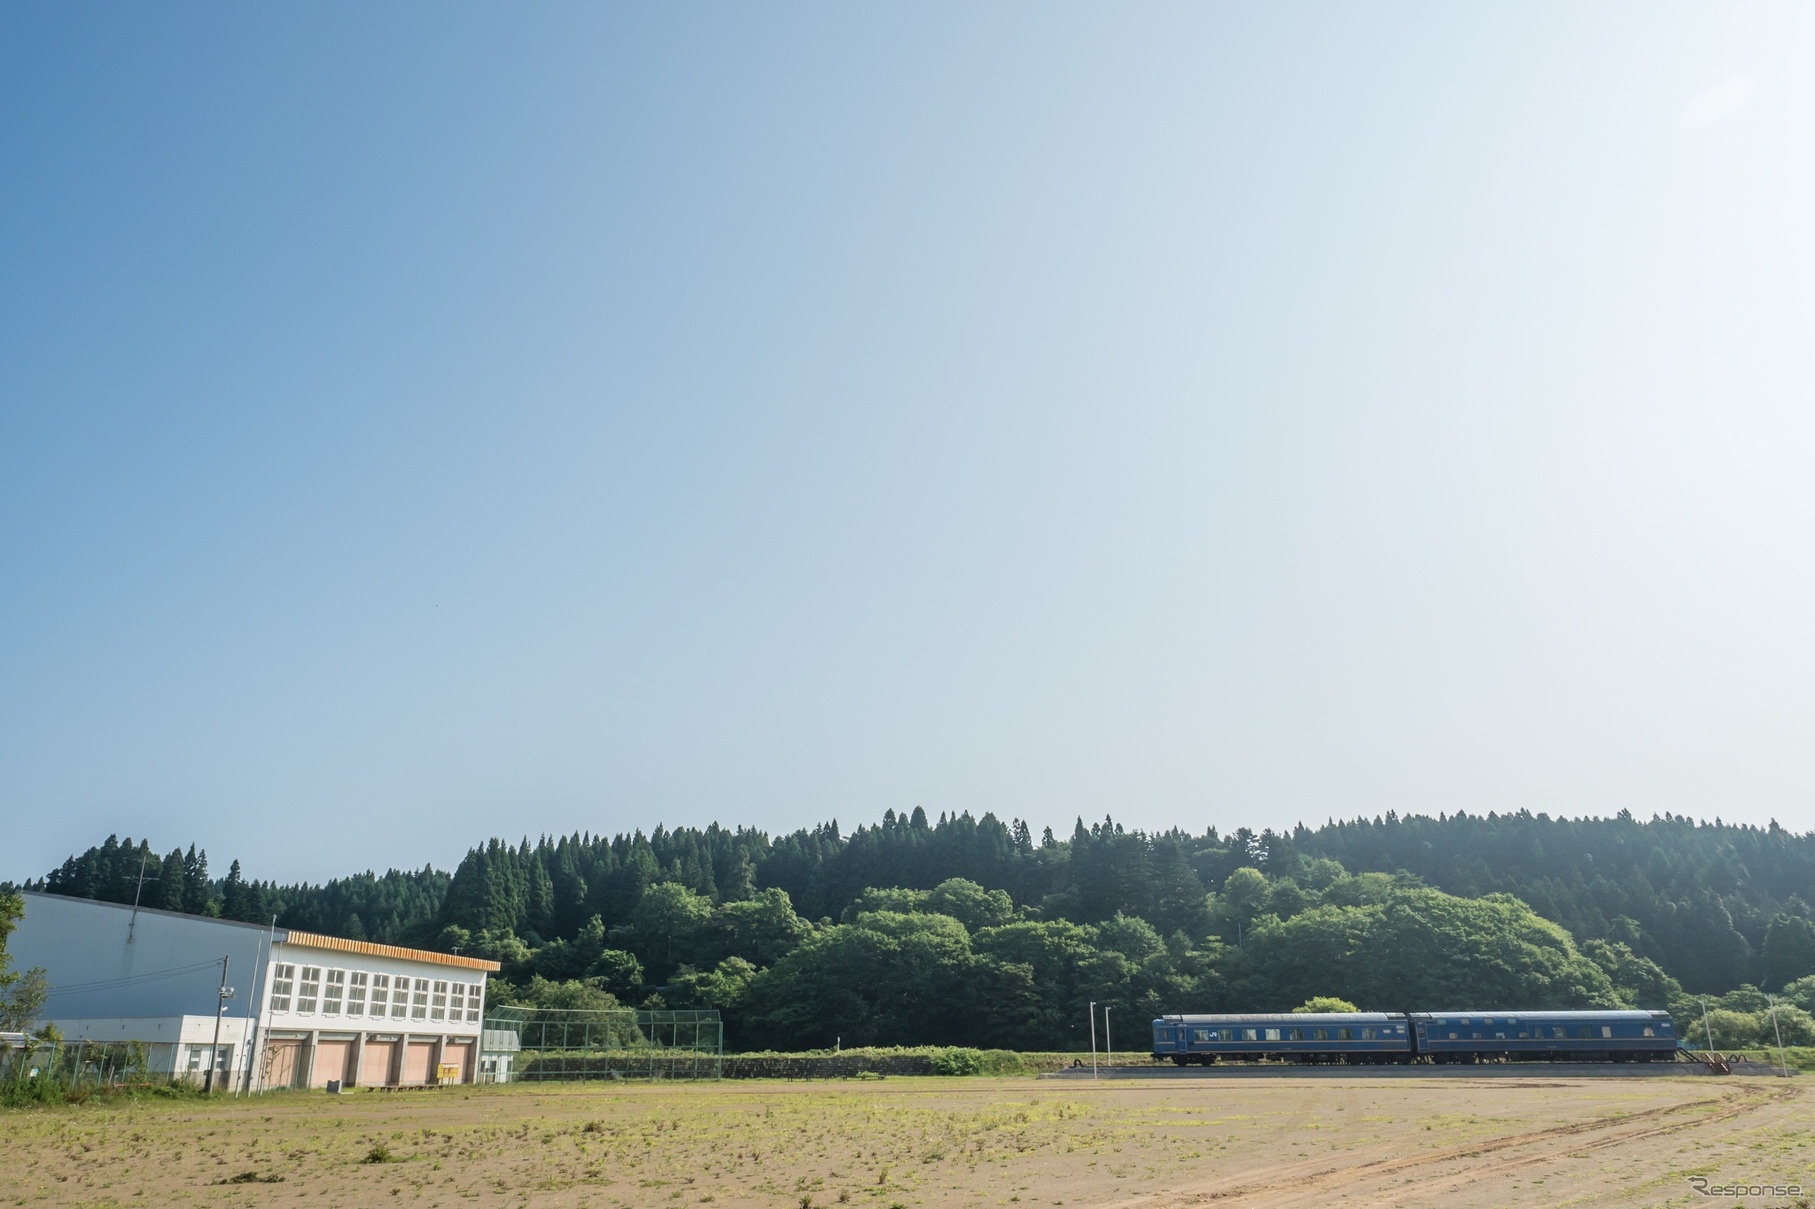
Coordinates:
(975, 931)
(397, 907)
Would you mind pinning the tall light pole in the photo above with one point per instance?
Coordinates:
(214, 1055)
(1108, 1045)
(257, 1006)
(1093, 1038)
(1781, 1060)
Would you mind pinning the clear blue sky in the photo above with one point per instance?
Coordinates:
(423, 422)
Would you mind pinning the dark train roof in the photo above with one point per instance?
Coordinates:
(1515, 1014)
(1285, 1018)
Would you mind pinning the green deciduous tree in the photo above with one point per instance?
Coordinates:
(22, 992)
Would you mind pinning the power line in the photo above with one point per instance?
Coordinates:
(109, 984)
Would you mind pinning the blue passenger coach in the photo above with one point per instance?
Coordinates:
(1631, 1036)
(1352, 1037)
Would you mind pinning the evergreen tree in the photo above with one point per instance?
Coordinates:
(1789, 951)
(198, 893)
(171, 892)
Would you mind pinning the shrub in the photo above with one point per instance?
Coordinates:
(956, 1061)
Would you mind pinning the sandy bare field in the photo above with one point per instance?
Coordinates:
(936, 1142)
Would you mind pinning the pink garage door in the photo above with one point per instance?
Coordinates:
(331, 1058)
(416, 1062)
(462, 1057)
(283, 1063)
(375, 1071)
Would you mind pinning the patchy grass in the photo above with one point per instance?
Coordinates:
(920, 1143)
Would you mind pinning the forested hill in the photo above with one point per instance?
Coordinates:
(1697, 899)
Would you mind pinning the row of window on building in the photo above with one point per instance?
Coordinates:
(360, 993)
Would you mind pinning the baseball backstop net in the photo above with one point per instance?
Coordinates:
(525, 1044)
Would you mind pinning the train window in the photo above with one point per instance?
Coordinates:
(1512, 1020)
(1452, 1036)
(1320, 1034)
(1367, 1034)
(1665, 1026)
(1298, 1034)
(1345, 1034)
(1249, 1034)
(1559, 1031)
(1203, 1034)
(1477, 1036)
(1649, 1031)
(1605, 1031)
(1464, 1020)
(1272, 1034)
(1583, 1032)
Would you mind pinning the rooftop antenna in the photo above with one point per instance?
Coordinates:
(137, 889)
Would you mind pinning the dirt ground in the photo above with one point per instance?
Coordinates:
(942, 1143)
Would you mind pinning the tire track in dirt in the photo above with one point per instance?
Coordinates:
(1295, 1179)
(1753, 1102)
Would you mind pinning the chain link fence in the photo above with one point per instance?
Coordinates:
(530, 1045)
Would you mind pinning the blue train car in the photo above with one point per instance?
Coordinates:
(1632, 1036)
(1353, 1037)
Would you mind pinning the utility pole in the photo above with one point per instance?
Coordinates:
(1781, 1060)
(214, 1055)
(1708, 1028)
(1093, 1038)
(138, 889)
(1108, 1045)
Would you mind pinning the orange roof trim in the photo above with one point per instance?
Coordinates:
(315, 941)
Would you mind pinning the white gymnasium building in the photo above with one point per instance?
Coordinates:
(306, 1009)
